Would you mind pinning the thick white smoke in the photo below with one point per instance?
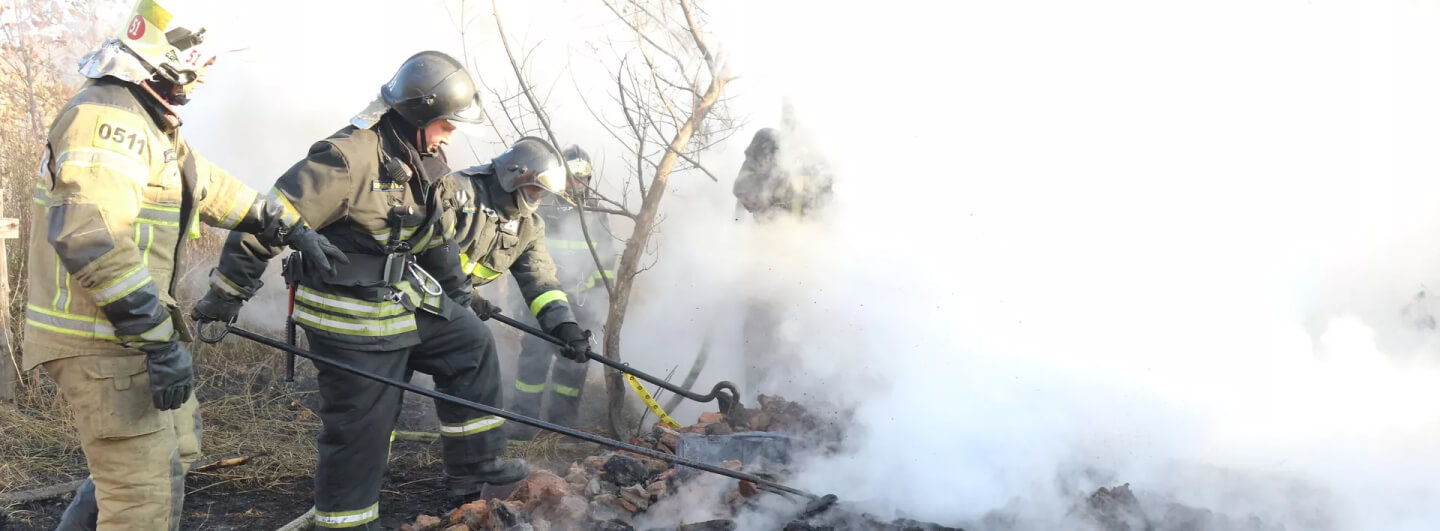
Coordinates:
(1170, 242)
(1074, 244)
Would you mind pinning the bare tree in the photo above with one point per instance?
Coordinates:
(670, 97)
(667, 107)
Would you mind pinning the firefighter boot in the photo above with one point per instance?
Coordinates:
(466, 480)
(82, 512)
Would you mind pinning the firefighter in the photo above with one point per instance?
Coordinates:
(119, 191)
(782, 175)
(379, 189)
(504, 232)
(584, 288)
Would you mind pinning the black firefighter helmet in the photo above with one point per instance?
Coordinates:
(431, 86)
(529, 169)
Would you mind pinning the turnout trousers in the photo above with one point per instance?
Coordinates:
(539, 362)
(137, 454)
(359, 414)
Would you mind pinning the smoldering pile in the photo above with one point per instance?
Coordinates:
(622, 491)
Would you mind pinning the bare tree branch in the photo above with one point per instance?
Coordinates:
(545, 123)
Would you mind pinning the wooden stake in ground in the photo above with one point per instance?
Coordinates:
(9, 369)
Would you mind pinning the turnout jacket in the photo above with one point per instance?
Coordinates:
(118, 187)
(491, 245)
(565, 239)
(365, 190)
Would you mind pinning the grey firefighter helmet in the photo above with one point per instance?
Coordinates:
(432, 86)
(528, 169)
(578, 161)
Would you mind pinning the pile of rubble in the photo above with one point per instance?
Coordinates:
(615, 490)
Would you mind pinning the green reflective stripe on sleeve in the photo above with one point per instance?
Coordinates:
(547, 298)
(42, 196)
(159, 334)
(347, 518)
(596, 280)
(486, 273)
(355, 327)
(345, 305)
(69, 324)
(569, 245)
(471, 427)
(120, 287)
(529, 388)
(289, 208)
(231, 288)
(566, 390)
(238, 205)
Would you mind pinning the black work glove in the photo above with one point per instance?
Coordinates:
(216, 306)
(317, 251)
(577, 342)
(483, 308)
(171, 375)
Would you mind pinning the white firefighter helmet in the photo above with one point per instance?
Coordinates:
(171, 46)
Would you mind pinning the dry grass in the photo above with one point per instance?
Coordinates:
(249, 410)
(245, 406)
(38, 444)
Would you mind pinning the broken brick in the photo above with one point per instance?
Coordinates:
(576, 477)
(637, 495)
(542, 485)
(748, 489)
(471, 514)
(458, 527)
(719, 428)
(657, 489)
(669, 440)
(711, 417)
(760, 421)
(595, 463)
(426, 522)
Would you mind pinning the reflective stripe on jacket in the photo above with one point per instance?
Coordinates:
(117, 189)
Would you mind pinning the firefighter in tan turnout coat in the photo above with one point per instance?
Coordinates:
(119, 190)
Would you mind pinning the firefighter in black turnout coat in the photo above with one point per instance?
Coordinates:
(501, 231)
(380, 190)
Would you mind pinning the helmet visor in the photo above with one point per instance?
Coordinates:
(580, 168)
(533, 186)
(473, 113)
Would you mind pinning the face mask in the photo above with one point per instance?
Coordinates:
(508, 204)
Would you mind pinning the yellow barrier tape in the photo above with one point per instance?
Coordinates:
(650, 401)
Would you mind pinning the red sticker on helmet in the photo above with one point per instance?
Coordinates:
(137, 28)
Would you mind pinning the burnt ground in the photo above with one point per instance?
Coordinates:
(227, 500)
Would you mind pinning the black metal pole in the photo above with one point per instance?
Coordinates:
(672, 459)
(678, 390)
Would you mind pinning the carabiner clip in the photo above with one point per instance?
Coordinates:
(428, 284)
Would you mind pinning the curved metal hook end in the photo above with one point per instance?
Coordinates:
(201, 325)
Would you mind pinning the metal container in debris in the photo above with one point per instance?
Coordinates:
(767, 450)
